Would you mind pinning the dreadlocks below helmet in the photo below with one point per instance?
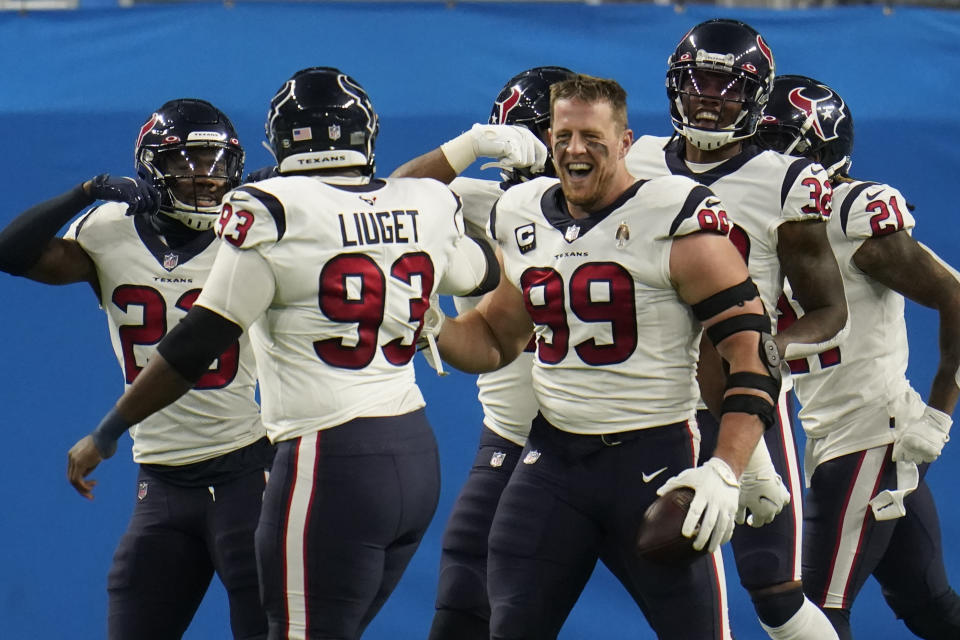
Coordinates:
(807, 118)
(322, 118)
(738, 54)
(190, 151)
(525, 101)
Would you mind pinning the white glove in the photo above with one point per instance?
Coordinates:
(762, 492)
(512, 146)
(921, 440)
(716, 495)
(432, 323)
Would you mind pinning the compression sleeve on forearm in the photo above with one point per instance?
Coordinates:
(197, 341)
(23, 240)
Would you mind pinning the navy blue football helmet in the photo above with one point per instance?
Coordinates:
(322, 118)
(736, 53)
(189, 150)
(525, 101)
(805, 117)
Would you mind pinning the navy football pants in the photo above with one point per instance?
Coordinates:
(344, 511)
(463, 561)
(844, 545)
(176, 539)
(575, 499)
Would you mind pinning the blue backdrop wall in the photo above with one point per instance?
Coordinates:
(76, 86)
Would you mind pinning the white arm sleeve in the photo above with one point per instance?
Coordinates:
(760, 461)
(796, 350)
(468, 268)
(240, 286)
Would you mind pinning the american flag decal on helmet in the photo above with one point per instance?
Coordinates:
(302, 133)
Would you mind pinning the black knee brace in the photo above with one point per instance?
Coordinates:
(774, 609)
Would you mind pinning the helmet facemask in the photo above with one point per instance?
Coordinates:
(192, 179)
(713, 83)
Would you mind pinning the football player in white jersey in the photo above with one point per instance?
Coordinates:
(718, 79)
(506, 395)
(615, 277)
(330, 270)
(203, 460)
(868, 509)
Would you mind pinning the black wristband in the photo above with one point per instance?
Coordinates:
(107, 433)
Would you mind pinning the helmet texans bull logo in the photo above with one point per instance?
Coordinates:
(502, 108)
(824, 112)
(805, 117)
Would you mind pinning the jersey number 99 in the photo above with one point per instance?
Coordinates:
(599, 292)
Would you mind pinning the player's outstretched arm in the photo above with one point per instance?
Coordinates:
(432, 164)
(158, 385)
(490, 336)
(901, 263)
(510, 145)
(810, 266)
(182, 357)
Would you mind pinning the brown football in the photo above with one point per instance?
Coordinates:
(659, 539)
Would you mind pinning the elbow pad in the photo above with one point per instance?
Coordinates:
(199, 339)
(796, 350)
(473, 269)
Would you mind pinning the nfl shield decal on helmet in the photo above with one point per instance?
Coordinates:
(170, 261)
(142, 490)
(333, 132)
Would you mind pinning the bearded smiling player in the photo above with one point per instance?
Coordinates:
(615, 278)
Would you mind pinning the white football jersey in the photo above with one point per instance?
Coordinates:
(350, 271)
(761, 190)
(146, 288)
(845, 391)
(506, 394)
(616, 347)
